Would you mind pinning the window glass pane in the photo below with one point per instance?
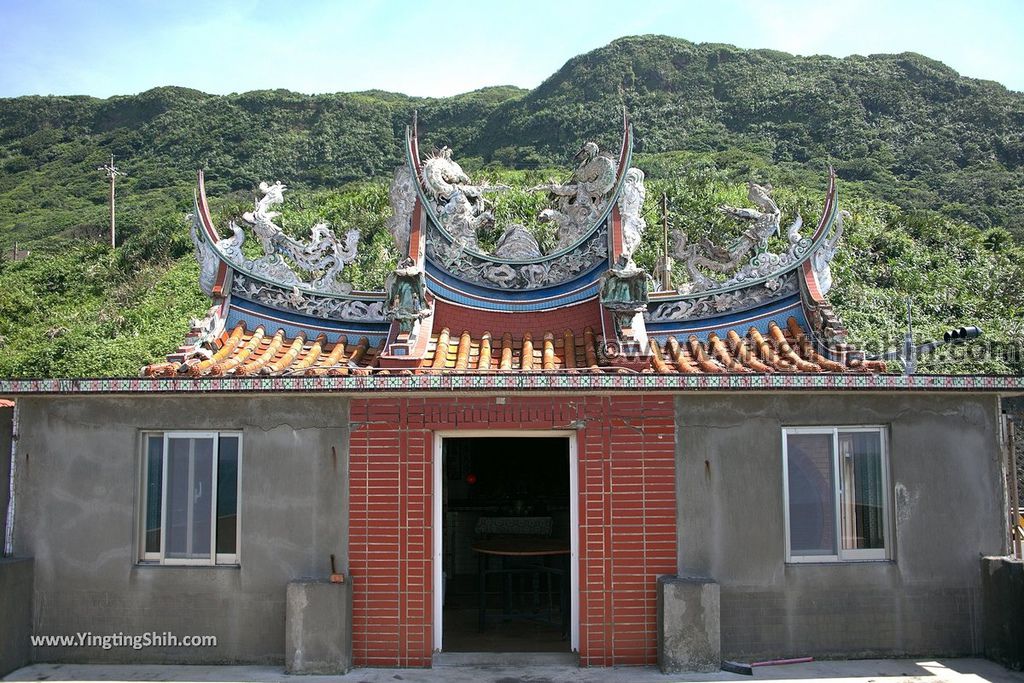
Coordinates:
(227, 494)
(202, 498)
(189, 498)
(154, 490)
(179, 507)
(812, 521)
(860, 457)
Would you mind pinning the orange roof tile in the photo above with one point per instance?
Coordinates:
(255, 353)
(782, 350)
(523, 353)
(752, 353)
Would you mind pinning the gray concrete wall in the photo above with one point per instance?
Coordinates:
(78, 510)
(946, 484)
(1002, 581)
(15, 613)
(6, 425)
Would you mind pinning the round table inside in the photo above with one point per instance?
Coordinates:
(522, 546)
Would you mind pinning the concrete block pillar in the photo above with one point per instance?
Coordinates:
(689, 626)
(16, 587)
(1002, 596)
(318, 627)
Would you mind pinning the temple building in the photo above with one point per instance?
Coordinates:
(510, 449)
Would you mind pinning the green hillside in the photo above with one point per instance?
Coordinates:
(930, 164)
(915, 132)
(50, 148)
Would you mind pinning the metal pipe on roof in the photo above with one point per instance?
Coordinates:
(1011, 447)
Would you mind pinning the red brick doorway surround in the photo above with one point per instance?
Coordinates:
(625, 469)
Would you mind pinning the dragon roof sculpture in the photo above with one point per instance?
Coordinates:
(456, 210)
(445, 278)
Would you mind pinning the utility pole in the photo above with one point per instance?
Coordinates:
(112, 173)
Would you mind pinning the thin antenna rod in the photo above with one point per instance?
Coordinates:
(666, 265)
(909, 350)
(112, 173)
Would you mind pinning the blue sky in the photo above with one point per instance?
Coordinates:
(112, 47)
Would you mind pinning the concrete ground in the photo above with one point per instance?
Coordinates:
(859, 671)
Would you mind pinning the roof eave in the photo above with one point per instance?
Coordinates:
(501, 383)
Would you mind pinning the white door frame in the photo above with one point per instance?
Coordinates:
(574, 521)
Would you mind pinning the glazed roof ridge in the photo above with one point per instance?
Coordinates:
(241, 352)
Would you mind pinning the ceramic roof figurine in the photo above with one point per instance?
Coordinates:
(451, 306)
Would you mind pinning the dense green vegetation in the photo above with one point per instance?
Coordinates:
(931, 166)
(916, 133)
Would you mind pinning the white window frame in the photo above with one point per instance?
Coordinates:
(215, 557)
(842, 555)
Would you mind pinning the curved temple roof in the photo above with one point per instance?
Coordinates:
(453, 307)
(587, 211)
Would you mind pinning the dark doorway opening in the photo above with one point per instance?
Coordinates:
(505, 552)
